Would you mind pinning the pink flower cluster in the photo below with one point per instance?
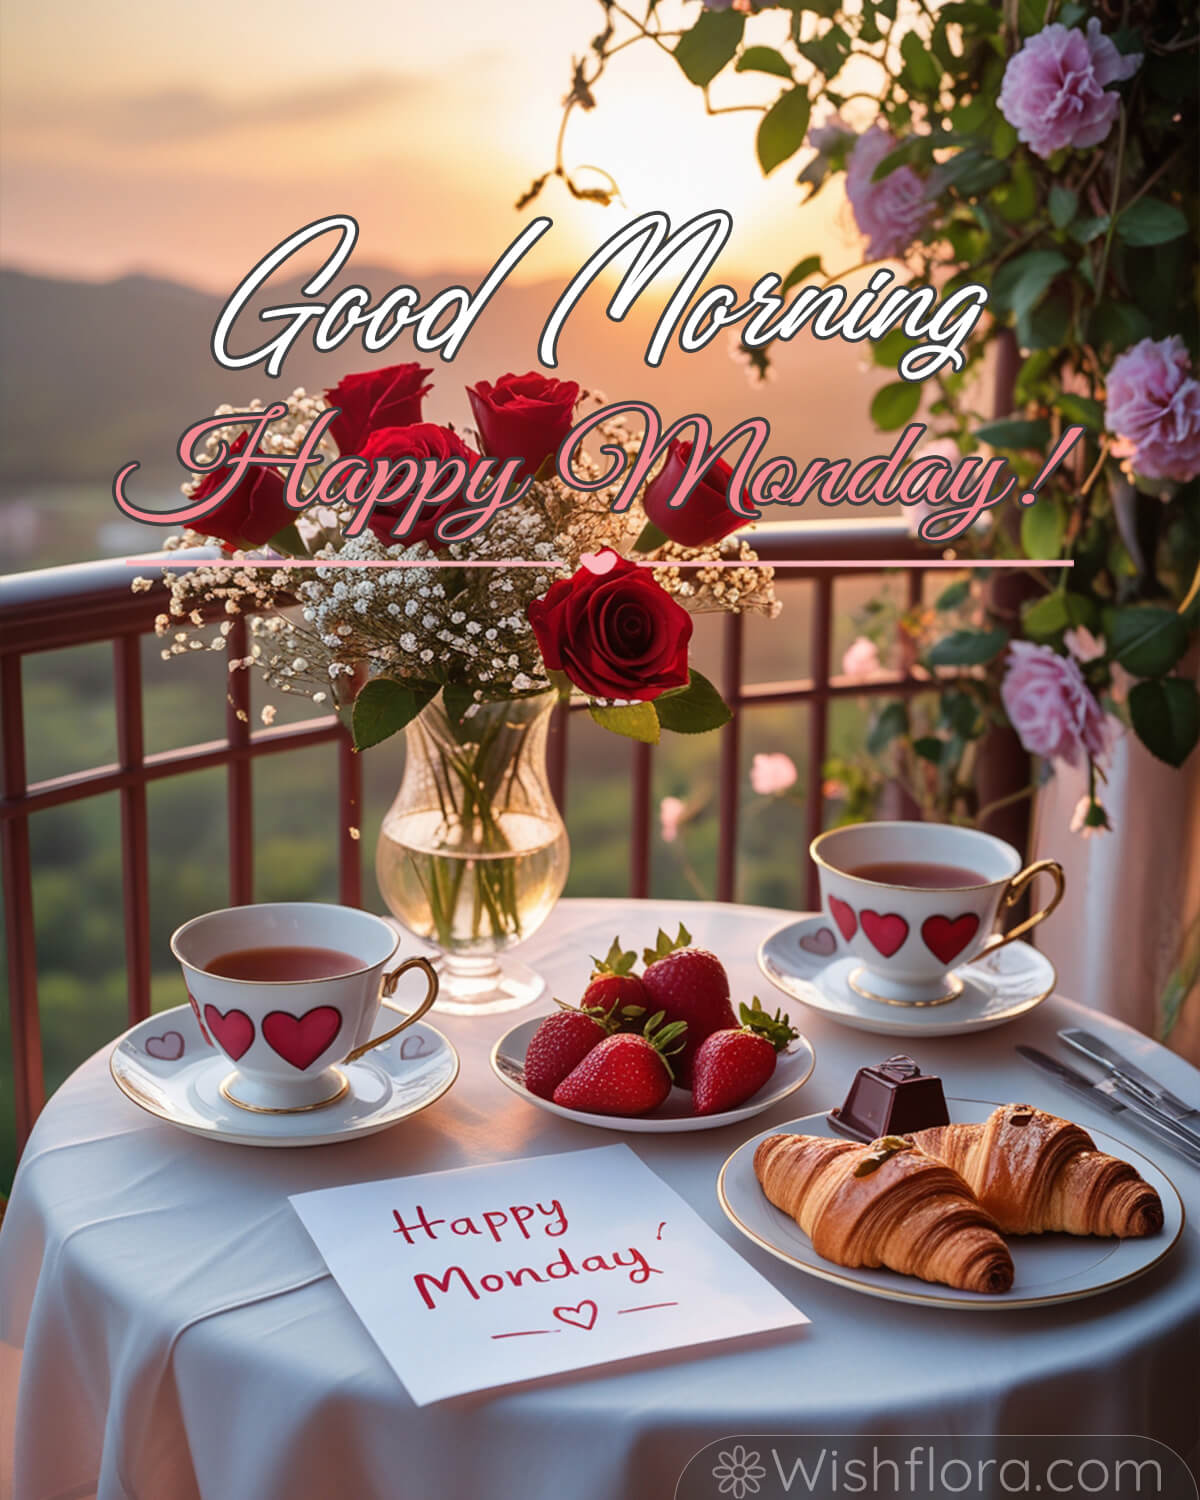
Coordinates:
(1154, 403)
(1051, 707)
(1055, 89)
(892, 212)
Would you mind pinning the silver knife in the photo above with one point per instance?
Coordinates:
(1104, 1096)
(1140, 1084)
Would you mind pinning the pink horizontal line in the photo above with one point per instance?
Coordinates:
(649, 1307)
(524, 1333)
(840, 565)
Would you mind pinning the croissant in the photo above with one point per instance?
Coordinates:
(1035, 1173)
(888, 1204)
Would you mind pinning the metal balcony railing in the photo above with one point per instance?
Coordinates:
(90, 602)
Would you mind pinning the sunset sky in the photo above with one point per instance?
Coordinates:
(186, 139)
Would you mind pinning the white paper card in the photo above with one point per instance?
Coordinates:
(488, 1275)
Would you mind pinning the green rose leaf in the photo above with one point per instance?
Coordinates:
(921, 72)
(763, 60)
(890, 725)
(1149, 221)
(953, 595)
(967, 648)
(783, 127)
(1046, 617)
(1166, 717)
(1016, 433)
(1062, 205)
(895, 405)
(704, 50)
(1147, 641)
(457, 700)
(929, 748)
(694, 709)
(1082, 410)
(1043, 527)
(1020, 283)
(1086, 229)
(650, 538)
(384, 706)
(636, 721)
(801, 271)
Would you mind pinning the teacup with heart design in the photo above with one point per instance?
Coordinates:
(288, 990)
(914, 901)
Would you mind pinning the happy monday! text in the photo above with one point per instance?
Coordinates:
(693, 315)
(527, 1223)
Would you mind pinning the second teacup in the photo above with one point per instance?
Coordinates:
(913, 901)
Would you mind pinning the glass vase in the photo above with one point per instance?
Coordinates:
(473, 854)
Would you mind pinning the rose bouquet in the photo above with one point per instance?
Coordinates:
(1048, 152)
(465, 644)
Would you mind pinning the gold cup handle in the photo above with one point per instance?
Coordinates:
(390, 981)
(1016, 888)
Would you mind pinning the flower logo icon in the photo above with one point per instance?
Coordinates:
(738, 1472)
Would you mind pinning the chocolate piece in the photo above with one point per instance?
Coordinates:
(892, 1098)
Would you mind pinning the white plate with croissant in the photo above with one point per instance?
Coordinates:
(1008, 1206)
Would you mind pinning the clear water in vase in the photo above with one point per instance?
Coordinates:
(455, 887)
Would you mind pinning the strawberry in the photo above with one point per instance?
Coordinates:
(731, 1065)
(616, 990)
(561, 1042)
(688, 984)
(626, 1074)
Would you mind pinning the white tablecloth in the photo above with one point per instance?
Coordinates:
(182, 1338)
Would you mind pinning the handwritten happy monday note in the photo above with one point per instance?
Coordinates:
(489, 1275)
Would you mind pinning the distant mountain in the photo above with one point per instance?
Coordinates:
(94, 375)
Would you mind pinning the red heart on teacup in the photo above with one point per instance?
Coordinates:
(300, 1040)
(234, 1030)
(946, 937)
(843, 914)
(599, 562)
(583, 1315)
(885, 931)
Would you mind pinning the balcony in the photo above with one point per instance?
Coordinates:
(609, 800)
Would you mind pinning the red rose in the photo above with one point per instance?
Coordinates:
(524, 416)
(421, 440)
(375, 398)
(616, 634)
(705, 516)
(255, 511)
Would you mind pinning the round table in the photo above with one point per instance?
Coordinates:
(183, 1339)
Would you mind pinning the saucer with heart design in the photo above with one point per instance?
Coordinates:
(171, 1067)
(809, 961)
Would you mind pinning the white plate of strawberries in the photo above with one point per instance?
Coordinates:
(660, 1050)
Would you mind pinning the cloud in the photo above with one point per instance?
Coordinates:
(196, 114)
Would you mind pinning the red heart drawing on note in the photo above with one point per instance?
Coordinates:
(300, 1040)
(946, 937)
(843, 914)
(822, 943)
(583, 1315)
(234, 1030)
(886, 932)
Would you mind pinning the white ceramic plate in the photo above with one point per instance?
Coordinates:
(1049, 1267)
(793, 1068)
(167, 1066)
(806, 960)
